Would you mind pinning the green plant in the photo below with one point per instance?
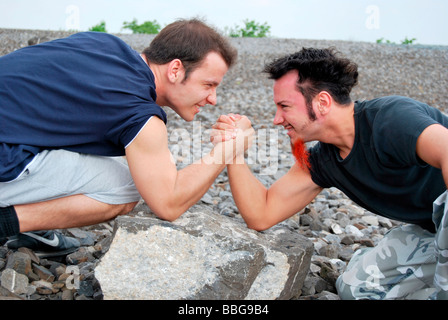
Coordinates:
(251, 29)
(101, 27)
(149, 27)
(381, 40)
(405, 41)
(408, 41)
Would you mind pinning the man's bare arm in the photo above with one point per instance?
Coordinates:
(432, 147)
(261, 207)
(167, 191)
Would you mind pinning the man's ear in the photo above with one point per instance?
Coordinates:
(324, 102)
(175, 70)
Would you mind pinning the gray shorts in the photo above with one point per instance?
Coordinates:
(60, 173)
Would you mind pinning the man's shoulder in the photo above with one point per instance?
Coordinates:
(392, 108)
(390, 103)
(93, 35)
(88, 40)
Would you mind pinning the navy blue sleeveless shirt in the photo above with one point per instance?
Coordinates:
(89, 93)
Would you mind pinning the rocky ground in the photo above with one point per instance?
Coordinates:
(336, 225)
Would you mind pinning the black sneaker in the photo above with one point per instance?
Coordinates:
(44, 243)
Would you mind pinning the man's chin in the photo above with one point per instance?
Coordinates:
(187, 117)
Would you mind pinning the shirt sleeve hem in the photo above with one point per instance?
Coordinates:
(138, 132)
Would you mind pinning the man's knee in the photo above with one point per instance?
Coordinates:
(128, 207)
(122, 209)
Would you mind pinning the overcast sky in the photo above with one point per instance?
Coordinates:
(357, 20)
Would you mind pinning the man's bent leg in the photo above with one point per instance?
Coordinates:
(401, 266)
(62, 188)
(67, 212)
(440, 218)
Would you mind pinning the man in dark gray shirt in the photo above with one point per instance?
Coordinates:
(389, 155)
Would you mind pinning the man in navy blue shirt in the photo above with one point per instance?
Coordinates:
(71, 108)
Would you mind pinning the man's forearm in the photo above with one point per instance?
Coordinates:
(193, 181)
(249, 195)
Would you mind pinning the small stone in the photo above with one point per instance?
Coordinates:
(54, 266)
(30, 253)
(385, 222)
(67, 294)
(20, 262)
(314, 268)
(329, 274)
(348, 239)
(44, 290)
(3, 252)
(366, 242)
(305, 220)
(327, 295)
(207, 198)
(313, 285)
(60, 270)
(44, 287)
(58, 284)
(79, 256)
(359, 226)
(43, 273)
(14, 281)
(371, 220)
(336, 228)
(353, 230)
(346, 254)
(330, 251)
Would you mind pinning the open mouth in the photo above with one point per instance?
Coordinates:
(289, 128)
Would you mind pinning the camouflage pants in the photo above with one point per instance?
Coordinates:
(408, 263)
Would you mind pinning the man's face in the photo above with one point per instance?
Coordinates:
(199, 88)
(292, 114)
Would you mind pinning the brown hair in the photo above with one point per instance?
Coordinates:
(190, 41)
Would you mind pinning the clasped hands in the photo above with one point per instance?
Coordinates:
(235, 133)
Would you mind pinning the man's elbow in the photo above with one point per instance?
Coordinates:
(258, 225)
(168, 214)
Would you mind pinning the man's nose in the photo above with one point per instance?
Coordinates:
(278, 119)
(211, 99)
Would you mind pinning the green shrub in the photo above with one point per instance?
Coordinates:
(251, 29)
(408, 41)
(405, 41)
(149, 27)
(101, 27)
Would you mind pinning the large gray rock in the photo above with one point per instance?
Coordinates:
(202, 255)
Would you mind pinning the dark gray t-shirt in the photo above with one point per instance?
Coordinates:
(383, 173)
